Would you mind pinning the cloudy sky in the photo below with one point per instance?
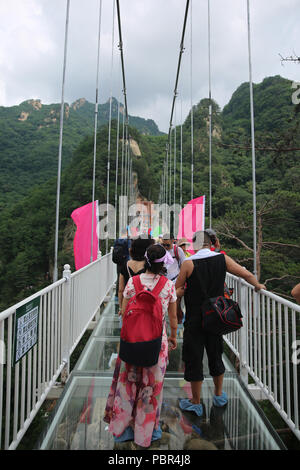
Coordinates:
(32, 44)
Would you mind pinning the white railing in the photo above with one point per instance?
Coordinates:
(267, 347)
(66, 308)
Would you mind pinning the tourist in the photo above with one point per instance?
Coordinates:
(177, 254)
(184, 244)
(204, 276)
(134, 266)
(296, 293)
(135, 398)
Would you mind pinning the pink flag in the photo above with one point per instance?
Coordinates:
(82, 217)
(191, 219)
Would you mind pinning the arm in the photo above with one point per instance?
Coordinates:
(181, 256)
(296, 293)
(124, 305)
(129, 292)
(238, 270)
(173, 324)
(185, 272)
(121, 290)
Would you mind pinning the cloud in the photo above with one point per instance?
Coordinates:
(32, 44)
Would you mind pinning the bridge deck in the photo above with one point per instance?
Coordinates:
(77, 421)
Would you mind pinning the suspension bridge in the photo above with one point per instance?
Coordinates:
(59, 315)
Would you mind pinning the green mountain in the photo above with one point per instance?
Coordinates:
(27, 227)
(29, 139)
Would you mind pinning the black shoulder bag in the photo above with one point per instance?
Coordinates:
(221, 315)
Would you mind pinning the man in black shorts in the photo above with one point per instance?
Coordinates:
(203, 274)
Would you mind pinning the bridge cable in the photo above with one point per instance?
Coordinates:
(252, 141)
(210, 117)
(125, 99)
(117, 167)
(96, 127)
(60, 143)
(109, 124)
(192, 111)
(174, 99)
(181, 152)
(175, 155)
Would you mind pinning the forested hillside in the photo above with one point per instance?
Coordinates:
(29, 137)
(27, 227)
(277, 123)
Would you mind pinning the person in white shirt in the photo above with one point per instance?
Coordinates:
(177, 254)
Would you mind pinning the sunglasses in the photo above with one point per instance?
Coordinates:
(166, 245)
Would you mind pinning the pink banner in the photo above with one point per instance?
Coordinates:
(191, 219)
(82, 217)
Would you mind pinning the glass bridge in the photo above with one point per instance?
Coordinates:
(77, 420)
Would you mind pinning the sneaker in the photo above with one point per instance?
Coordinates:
(127, 435)
(157, 433)
(186, 405)
(221, 400)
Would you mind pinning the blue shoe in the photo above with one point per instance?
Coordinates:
(157, 433)
(197, 430)
(186, 405)
(221, 400)
(127, 435)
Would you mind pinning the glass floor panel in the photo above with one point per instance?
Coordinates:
(77, 420)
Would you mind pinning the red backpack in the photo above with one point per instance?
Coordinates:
(142, 325)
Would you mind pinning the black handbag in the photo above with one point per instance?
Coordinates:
(221, 316)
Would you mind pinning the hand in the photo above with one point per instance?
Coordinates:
(259, 287)
(120, 312)
(180, 291)
(172, 343)
(217, 244)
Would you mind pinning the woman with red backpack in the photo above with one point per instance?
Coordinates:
(135, 398)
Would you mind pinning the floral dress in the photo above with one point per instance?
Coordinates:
(135, 396)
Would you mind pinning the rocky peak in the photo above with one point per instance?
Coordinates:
(36, 104)
(78, 103)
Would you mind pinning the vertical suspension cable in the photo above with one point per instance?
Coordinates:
(122, 169)
(130, 182)
(62, 108)
(210, 118)
(167, 183)
(128, 175)
(192, 111)
(117, 168)
(123, 147)
(109, 125)
(252, 141)
(126, 161)
(175, 157)
(170, 169)
(125, 102)
(175, 95)
(95, 128)
(127, 145)
(181, 153)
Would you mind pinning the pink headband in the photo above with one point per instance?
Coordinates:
(166, 259)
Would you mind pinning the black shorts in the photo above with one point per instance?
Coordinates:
(194, 342)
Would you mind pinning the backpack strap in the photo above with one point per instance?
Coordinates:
(160, 285)
(176, 253)
(129, 273)
(138, 286)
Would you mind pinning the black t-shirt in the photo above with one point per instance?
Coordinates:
(207, 280)
(125, 269)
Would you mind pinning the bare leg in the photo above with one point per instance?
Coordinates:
(218, 381)
(196, 391)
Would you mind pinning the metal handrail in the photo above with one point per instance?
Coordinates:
(66, 308)
(265, 347)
